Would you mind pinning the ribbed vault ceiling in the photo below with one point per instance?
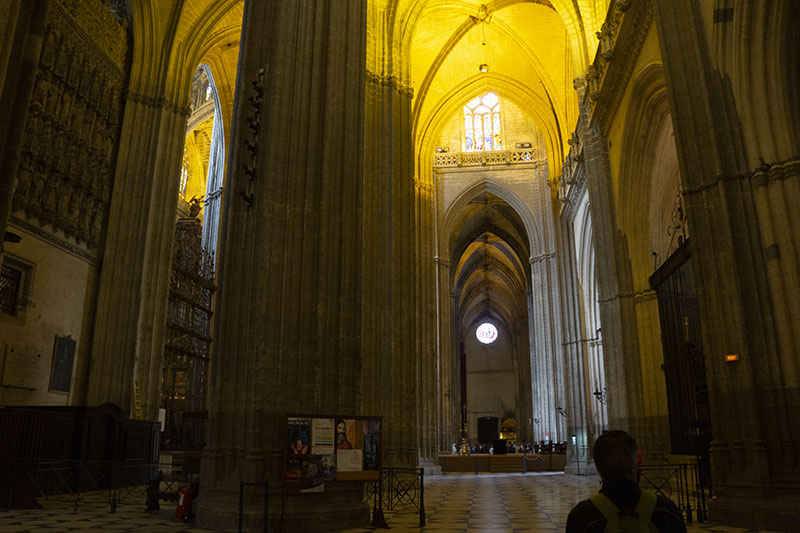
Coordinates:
(534, 50)
(490, 271)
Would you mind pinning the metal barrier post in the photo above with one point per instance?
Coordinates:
(684, 474)
(421, 497)
(241, 502)
(264, 484)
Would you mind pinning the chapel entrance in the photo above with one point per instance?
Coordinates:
(684, 361)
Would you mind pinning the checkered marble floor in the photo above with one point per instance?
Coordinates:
(471, 503)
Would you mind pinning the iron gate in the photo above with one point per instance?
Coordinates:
(684, 363)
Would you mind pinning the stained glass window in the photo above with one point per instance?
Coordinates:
(482, 129)
(486, 333)
(184, 173)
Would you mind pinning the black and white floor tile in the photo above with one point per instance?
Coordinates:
(513, 503)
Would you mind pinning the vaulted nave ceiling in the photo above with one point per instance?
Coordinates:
(534, 49)
(490, 271)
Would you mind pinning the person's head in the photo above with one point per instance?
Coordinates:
(341, 427)
(615, 456)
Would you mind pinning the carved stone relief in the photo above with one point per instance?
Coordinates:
(65, 172)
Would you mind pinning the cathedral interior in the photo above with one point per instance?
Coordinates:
(569, 215)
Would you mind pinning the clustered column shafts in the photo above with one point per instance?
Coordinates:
(291, 255)
(390, 337)
(739, 231)
(426, 323)
(575, 357)
(132, 302)
(614, 308)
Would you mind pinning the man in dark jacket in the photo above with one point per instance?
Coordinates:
(615, 455)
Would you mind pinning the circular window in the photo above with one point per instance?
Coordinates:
(486, 333)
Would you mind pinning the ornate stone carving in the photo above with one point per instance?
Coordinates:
(606, 38)
(499, 157)
(105, 30)
(64, 174)
(392, 82)
(621, 37)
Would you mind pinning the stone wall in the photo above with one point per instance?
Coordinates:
(60, 204)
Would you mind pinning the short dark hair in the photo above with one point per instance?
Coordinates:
(614, 455)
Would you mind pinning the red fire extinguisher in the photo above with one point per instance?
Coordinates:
(184, 509)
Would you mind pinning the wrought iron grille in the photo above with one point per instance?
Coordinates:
(188, 340)
(682, 483)
(10, 282)
(684, 363)
(398, 489)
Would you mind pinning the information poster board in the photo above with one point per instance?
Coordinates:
(330, 448)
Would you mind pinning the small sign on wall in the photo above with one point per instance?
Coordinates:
(63, 357)
(22, 367)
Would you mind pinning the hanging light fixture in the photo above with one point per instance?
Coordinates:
(484, 18)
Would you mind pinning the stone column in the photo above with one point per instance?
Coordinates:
(216, 175)
(522, 369)
(574, 348)
(130, 324)
(290, 299)
(429, 357)
(389, 335)
(23, 28)
(736, 258)
(547, 368)
(620, 348)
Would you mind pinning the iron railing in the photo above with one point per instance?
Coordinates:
(682, 483)
(399, 488)
(74, 481)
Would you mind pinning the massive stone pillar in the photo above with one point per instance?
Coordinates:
(577, 381)
(743, 252)
(613, 278)
(389, 380)
(428, 351)
(130, 323)
(547, 368)
(288, 329)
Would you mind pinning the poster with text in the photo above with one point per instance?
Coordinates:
(323, 436)
(298, 446)
(349, 460)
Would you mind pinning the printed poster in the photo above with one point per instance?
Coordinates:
(329, 466)
(299, 435)
(345, 434)
(313, 479)
(322, 436)
(349, 460)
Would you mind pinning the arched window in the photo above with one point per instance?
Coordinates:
(184, 173)
(482, 131)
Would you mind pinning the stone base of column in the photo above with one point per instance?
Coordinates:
(339, 507)
(772, 510)
(430, 467)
